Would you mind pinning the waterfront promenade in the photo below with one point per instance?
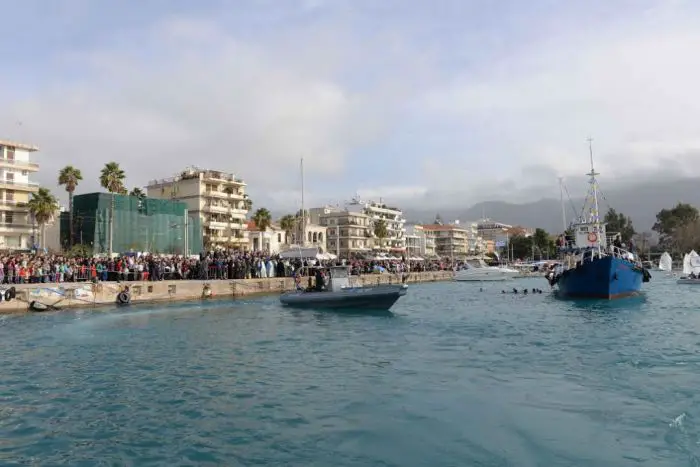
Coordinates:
(87, 294)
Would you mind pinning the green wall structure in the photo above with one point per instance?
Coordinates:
(140, 224)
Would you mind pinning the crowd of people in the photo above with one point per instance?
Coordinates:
(218, 265)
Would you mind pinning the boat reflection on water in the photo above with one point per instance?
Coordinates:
(338, 294)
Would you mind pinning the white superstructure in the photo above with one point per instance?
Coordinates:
(478, 270)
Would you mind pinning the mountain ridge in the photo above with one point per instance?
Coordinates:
(641, 202)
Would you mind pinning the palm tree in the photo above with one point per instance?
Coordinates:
(262, 219)
(112, 179)
(43, 206)
(380, 231)
(138, 192)
(69, 176)
(287, 223)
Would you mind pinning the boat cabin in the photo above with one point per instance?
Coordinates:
(588, 235)
(339, 278)
(330, 278)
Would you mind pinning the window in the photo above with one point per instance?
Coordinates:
(25, 172)
(10, 195)
(10, 153)
(9, 217)
(10, 177)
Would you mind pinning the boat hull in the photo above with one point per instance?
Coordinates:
(685, 280)
(379, 298)
(606, 278)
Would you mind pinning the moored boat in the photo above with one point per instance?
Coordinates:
(338, 293)
(478, 271)
(665, 262)
(593, 266)
(691, 269)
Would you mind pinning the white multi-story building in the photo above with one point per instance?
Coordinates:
(392, 217)
(347, 232)
(17, 229)
(450, 239)
(419, 242)
(271, 240)
(217, 198)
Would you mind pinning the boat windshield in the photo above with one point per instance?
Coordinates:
(339, 272)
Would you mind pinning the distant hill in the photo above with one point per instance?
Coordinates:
(641, 202)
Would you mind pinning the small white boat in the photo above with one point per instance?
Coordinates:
(691, 269)
(339, 294)
(665, 262)
(478, 271)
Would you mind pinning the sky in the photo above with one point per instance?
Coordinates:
(426, 104)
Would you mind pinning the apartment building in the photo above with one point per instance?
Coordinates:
(450, 239)
(347, 232)
(491, 230)
(392, 217)
(476, 242)
(419, 242)
(218, 198)
(17, 229)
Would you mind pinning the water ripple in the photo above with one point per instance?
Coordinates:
(456, 376)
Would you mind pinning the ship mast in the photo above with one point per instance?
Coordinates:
(594, 189)
(561, 200)
(303, 213)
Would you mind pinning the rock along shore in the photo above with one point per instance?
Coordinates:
(85, 294)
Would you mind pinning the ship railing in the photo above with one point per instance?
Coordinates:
(627, 255)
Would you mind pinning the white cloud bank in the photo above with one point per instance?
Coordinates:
(192, 93)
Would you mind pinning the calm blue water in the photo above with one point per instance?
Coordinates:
(456, 377)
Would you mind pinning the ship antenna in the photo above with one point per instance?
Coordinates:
(594, 187)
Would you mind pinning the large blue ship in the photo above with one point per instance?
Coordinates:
(592, 263)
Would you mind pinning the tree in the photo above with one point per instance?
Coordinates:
(643, 241)
(617, 222)
(520, 246)
(543, 243)
(112, 179)
(138, 192)
(69, 177)
(287, 223)
(669, 221)
(43, 206)
(262, 219)
(687, 236)
(381, 231)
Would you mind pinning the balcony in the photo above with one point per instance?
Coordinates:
(15, 226)
(20, 165)
(13, 205)
(222, 195)
(12, 185)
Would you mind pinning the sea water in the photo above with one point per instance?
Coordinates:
(459, 375)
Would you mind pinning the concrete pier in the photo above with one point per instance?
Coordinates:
(85, 294)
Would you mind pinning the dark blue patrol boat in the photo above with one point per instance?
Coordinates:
(591, 264)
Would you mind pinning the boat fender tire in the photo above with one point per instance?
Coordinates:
(123, 298)
(7, 296)
(13, 292)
